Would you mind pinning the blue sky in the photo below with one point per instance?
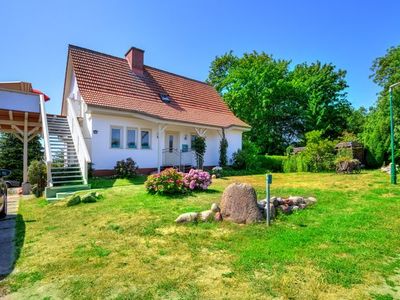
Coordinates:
(184, 36)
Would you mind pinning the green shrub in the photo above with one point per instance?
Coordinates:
(319, 153)
(37, 175)
(223, 148)
(126, 168)
(295, 163)
(74, 200)
(247, 158)
(169, 181)
(233, 172)
(199, 146)
(273, 163)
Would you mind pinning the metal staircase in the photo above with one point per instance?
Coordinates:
(65, 169)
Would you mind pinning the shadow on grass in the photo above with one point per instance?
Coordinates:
(12, 250)
(20, 230)
(109, 182)
(189, 194)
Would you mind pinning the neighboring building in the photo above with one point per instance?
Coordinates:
(127, 109)
(356, 149)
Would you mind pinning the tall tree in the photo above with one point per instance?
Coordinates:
(281, 105)
(325, 106)
(257, 89)
(11, 153)
(376, 136)
(357, 120)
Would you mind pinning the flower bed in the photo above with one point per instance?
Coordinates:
(197, 180)
(170, 181)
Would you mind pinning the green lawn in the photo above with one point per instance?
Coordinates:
(127, 246)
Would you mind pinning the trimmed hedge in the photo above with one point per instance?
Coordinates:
(273, 163)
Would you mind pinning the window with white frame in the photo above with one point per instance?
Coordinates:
(131, 138)
(116, 137)
(145, 138)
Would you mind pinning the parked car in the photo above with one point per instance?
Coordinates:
(12, 183)
(3, 193)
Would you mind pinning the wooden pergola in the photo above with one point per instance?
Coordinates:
(20, 114)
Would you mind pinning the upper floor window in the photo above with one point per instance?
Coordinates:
(145, 139)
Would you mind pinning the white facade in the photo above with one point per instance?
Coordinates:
(97, 125)
(104, 156)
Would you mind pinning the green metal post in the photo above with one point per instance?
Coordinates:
(393, 178)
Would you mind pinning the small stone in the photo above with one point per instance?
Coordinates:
(302, 206)
(296, 199)
(213, 176)
(215, 208)
(286, 209)
(74, 200)
(261, 204)
(277, 201)
(288, 202)
(295, 208)
(310, 201)
(206, 215)
(187, 217)
(218, 217)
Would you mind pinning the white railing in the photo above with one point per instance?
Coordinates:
(180, 159)
(79, 142)
(47, 147)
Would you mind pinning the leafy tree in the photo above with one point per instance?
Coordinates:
(325, 106)
(279, 103)
(376, 134)
(356, 120)
(11, 154)
(257, 89)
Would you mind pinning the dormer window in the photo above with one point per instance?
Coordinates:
(165, 98)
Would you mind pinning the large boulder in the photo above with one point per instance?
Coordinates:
(239, 204)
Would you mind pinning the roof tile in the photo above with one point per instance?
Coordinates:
(107, 81)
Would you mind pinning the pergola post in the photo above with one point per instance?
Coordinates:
(161, 130)
(25, 185)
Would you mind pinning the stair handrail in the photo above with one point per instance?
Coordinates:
(79, 142)
(46, 139)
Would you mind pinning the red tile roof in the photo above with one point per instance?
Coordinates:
(107, 81)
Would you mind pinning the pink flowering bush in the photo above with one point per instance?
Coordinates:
(169, 181)
(197, 180)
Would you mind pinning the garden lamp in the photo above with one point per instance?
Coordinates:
(393, 179)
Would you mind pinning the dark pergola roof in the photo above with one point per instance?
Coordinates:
(353, 144)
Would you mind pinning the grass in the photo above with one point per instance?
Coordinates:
(127, 246)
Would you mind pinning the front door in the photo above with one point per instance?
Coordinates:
(171, 151)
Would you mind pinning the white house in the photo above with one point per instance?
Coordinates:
(127, 109)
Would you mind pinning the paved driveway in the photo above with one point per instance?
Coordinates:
(7, 237)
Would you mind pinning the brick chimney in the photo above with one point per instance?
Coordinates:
(135, 58)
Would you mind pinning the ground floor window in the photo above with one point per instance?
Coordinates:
(116, 137)
(145, 139)
(131, 135)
